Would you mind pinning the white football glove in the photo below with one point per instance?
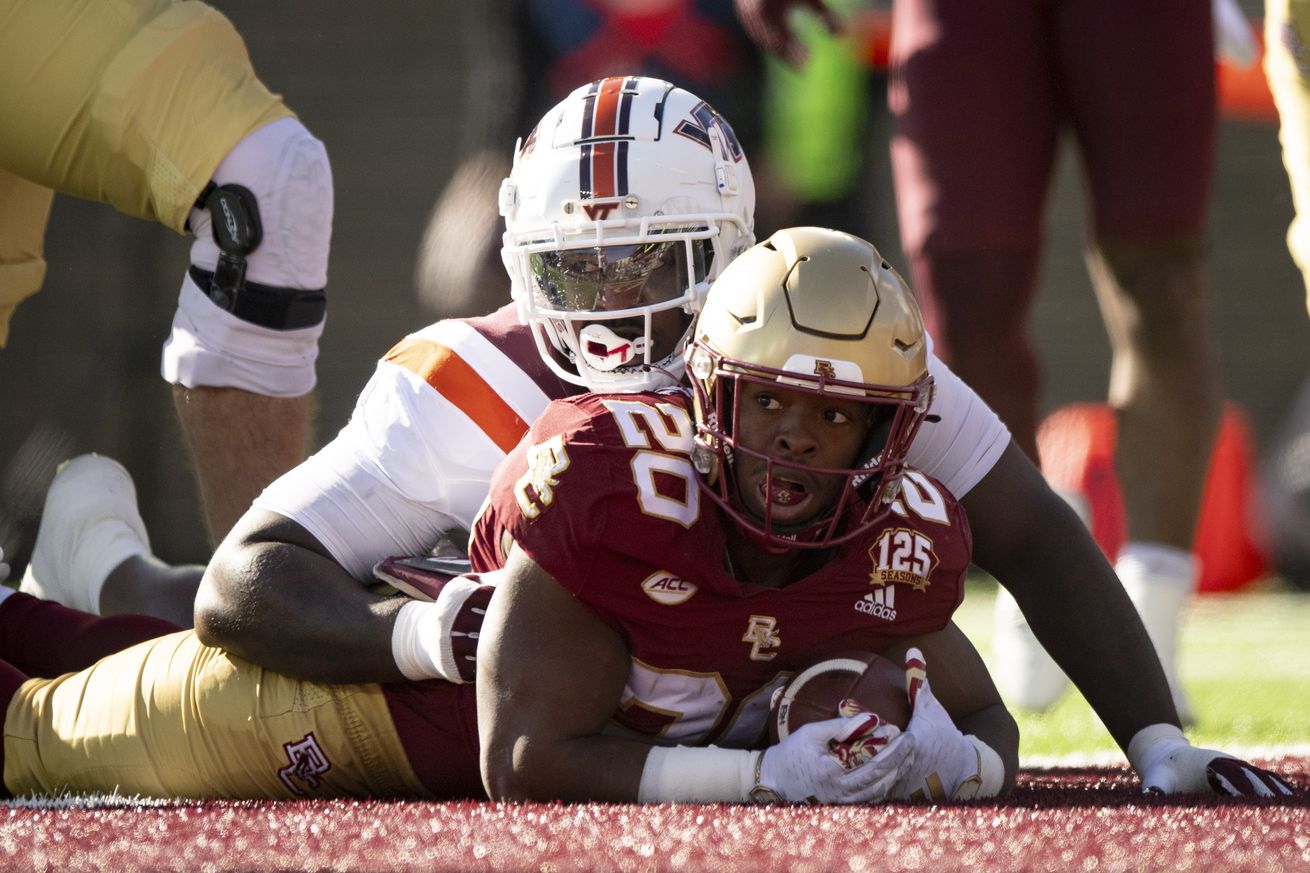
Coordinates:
(4, 568)
(827, 762)
(1168, 764)
(932, 759)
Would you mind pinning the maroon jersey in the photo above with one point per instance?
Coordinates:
(601, 494)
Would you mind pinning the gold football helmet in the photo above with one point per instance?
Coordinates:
(821, 311)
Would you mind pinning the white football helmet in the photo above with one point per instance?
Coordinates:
(624, 203)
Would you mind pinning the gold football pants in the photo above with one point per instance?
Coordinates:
(171, 717)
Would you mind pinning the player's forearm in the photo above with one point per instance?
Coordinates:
(591, 768)
(1039, 550)
(1098, 639)
(299, 613)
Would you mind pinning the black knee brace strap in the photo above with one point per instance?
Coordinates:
(266, 305)
(234, 218)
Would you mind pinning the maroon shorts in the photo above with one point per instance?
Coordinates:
(981, 91)
(437, 723)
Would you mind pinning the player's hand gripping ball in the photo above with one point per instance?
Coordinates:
(841, 685)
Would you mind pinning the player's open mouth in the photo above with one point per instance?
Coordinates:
(789, 500)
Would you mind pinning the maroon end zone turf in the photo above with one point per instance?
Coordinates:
(1085, 819)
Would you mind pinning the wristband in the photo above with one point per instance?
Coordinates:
(414, 629)
(1168, 764)
(439, 639)
(683, 774)
(1152, 743)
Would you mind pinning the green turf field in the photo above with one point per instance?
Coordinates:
(1245, 664)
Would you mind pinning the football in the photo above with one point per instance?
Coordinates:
(815, 693)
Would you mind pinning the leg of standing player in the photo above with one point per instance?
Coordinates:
(973, 232)
(141, 105)
(1287, 28)
(1149, 162)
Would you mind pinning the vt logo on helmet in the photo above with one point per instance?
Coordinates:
(624, 203)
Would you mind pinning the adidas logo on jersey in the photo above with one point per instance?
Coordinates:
(879, 604)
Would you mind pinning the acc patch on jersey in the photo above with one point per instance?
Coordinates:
(665, 588)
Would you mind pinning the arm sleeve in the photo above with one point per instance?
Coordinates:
(442, 410)
(408, 466)
(962, 439)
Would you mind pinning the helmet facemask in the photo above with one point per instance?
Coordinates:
(617, 316)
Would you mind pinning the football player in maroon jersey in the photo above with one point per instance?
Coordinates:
(670, 560)
(663, 566)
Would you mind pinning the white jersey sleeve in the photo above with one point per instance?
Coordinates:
(962, 438)
(415, 460)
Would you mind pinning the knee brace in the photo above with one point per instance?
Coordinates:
(234, 217)
(252, 304)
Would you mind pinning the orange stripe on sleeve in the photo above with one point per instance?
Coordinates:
(459, 383)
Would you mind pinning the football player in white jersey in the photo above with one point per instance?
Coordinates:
(628, 181)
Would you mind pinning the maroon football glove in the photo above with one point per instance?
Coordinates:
(461, 605)
(1240, 779)
(420, 576)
